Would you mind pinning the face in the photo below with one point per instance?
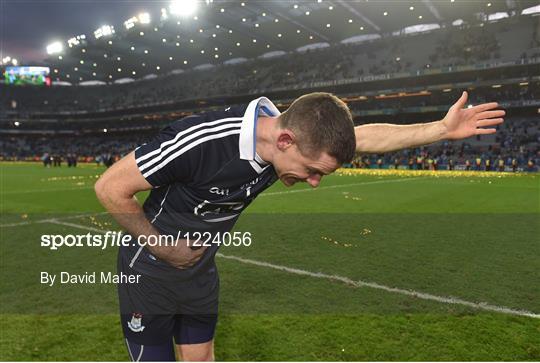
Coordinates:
(292, 166)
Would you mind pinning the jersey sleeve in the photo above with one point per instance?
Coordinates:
(171, 157)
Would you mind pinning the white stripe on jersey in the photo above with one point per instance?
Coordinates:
(180, 134)
(145, 165)
(152, 222)
(256, 166)
(129, 350)
(140, 354)
(186, 140)
(222, 218)
(189, 147)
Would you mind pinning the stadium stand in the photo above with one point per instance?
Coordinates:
(399, 78)
(442, 48)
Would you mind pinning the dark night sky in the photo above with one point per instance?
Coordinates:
(26, 27)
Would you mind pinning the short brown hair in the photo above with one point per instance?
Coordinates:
(322, 123)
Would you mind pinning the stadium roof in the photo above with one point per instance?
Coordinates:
(220, 31)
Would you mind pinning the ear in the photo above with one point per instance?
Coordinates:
(285, 139)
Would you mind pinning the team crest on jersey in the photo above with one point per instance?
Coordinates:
(135, 324)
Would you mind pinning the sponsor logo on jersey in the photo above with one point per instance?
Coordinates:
(219, 191)
(207, 208)
(251, 183)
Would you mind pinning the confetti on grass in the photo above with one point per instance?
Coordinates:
(63, 178)
(102, 225)
(405, 173)
(347, 196)
(364, 232)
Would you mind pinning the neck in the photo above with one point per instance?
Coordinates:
(265, 135)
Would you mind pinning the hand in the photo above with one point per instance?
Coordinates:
(187, 255)
(462, 122)
(187, 258)
(181, 255)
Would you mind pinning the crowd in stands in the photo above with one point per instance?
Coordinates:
(516, 144)
(52, 151)
(514, 147)
(506, 93)
(459, 48)
(508, 40)
(448, 157)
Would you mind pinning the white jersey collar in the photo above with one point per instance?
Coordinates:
(262, 106)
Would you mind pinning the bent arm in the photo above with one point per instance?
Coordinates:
(116, 190)
(459, 123)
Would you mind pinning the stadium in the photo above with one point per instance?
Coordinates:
(426, 253)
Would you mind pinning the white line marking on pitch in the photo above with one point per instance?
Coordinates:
(44, 190)
(47, 220)
(395, 290)
(74, 225)
(358, 284)
(261, 195)
(337, 186)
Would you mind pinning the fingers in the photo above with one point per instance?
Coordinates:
(489, 122)
(485, 131)
(489, 118)
(462, 100)
(490, 114)
(192, 259)
(485, 106)
(199, 252)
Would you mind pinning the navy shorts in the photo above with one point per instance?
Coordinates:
(153, 311)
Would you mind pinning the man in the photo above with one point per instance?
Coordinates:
(530, 165)
(478, 163)
(203, 171)
(501, 163)
(396, 162)
(514, 164)
(419, 162)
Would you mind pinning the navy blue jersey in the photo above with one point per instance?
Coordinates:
(205, 172)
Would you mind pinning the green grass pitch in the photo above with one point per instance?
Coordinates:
(370, 266)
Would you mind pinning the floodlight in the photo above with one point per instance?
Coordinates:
(498, 16)
(532, 10)
(76, 40)
(104, 31)
(130, 23)
(144, 18)
(55, 47)
(73, 41)
(183, 7)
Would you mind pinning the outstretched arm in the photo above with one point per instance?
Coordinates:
(459, 123)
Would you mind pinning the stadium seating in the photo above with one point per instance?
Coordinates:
(443, 56)
(435, 49)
